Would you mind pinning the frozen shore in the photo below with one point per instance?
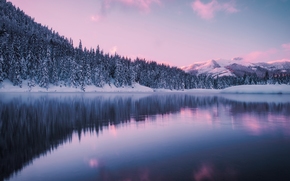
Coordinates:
(7, 86)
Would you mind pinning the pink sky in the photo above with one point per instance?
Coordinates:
(176, 32)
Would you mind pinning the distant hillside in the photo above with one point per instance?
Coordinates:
(228, 68)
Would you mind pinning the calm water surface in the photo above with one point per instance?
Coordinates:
(144, 137)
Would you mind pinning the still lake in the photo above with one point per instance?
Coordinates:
(142, 136)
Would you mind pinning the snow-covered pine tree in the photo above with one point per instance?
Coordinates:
(16, 64)
(1, 68)
(87, 67)
(24, 69)
(54, 63)
(119, 74)
(45, 64)
(266, 77)
(74, 69)
(133, 74)
(32, 61)
(80, 66)
(99, 77)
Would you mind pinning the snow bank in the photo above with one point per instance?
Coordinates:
(258, 89)
(261, 98)
(7, 86)
(203, 91)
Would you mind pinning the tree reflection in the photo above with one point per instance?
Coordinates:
(34, 125)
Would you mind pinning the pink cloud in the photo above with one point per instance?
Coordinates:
(208, 10)
(260, 55)
(271, 55)
(286, 47)
(142, 5)
(96, 18)
(280, 60)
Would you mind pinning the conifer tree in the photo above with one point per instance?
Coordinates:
(1, 69)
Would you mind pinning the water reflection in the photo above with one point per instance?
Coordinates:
(207, 171)
(32, 125)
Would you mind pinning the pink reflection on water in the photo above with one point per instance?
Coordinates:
(205, 172)
(113, 130)
(282, 121)
(93, 163)
(144, 175)
(253, 125)
(258, 124)
(208, 171)
(202, 116)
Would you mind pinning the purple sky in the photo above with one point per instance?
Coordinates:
(176, 32)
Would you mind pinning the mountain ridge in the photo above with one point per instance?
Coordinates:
(221, 68)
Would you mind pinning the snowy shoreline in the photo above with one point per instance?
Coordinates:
(7, 87)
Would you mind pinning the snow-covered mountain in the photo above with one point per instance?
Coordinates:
(211, 67)
(231, 68)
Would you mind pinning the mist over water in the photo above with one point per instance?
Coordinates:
(144, 137)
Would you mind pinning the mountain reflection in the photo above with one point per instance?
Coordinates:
(32, 125)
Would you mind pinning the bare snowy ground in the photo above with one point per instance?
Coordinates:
(7, 86)
(260, 98)
(258, 89)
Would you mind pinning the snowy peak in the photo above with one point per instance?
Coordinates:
(228, 68)
(209, 67)
(275, 65)
(212, 64)
(202, 67)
